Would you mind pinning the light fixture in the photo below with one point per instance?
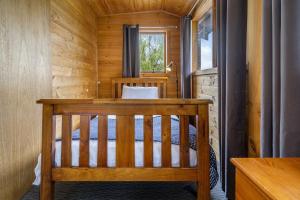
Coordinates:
(169, 67)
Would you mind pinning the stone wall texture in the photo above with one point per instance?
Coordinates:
(206, 86)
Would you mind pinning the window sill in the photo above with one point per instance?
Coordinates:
(206, 72)
(154, 74)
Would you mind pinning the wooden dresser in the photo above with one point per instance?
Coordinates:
(258, 178)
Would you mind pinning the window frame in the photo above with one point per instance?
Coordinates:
(160, 73)
(213, 60)
(209, 6)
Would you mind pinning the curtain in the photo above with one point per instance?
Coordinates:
(131, 54)
(231, 59)
(280, 124)
(185, 56)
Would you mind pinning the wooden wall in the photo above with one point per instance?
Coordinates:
(74, 49)
(254, 61)
(110, 45)
(74, 52)
(25, 76)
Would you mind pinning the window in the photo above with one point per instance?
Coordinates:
(153, 52)
(205, 42)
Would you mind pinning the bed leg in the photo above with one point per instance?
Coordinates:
(46, 190)
(203, 189)
(48, 142)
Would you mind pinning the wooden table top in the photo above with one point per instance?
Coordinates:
(279, 178)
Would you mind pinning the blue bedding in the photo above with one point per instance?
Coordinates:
(139, 136)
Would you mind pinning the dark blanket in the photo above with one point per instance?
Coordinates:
(139, 136)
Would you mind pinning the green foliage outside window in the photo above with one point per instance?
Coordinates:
(152, 52)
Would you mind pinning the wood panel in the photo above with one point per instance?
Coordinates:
(25, 76)
(113, 7)
(254, 61)
(246, 190)
(74, 52)
(273, 178)
(74, 49)
(110, 45)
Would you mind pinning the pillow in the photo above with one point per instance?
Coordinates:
(140, 92)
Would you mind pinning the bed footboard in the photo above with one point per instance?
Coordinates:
(125, 170)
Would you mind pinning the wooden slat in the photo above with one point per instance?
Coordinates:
(160, 82)
(113, 84)
(203, 153)
(102, 141)
(148, 141)
(184, 141)
(125, 141)
(48, 153)
(166, 141)
(84, 140)
(119, 85)
(164, 90)
(124, 174)
(133, 109)
(66, 142)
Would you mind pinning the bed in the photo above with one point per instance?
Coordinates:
(126, 140)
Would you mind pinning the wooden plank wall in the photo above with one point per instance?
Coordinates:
(25, 77)
(110, 45)
(254, 61)
(74, 49)
(74, 52)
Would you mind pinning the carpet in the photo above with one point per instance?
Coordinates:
(124, 191)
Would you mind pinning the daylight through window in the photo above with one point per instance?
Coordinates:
(152, 52)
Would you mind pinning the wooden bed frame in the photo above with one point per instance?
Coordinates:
(125, 169)
(160, 82)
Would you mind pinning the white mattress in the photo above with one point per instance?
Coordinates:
(111, 162)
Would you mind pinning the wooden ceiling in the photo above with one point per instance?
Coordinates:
(113, 7)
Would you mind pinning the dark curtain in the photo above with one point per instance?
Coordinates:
(280, 124)
(185, 56)
(131, 52)
(231, 59)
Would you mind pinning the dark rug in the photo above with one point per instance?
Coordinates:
(124, 191)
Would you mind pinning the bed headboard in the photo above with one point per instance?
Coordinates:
(160, 82)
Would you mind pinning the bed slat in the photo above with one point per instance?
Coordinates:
(66, 142)
(166, 141)
(160, 82)
(84, 140)
(102, 141)
(184, 141)
(148, 141)
(119, 85)
(125, 141)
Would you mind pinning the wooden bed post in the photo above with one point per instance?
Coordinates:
(203, 191)
(48, 142)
